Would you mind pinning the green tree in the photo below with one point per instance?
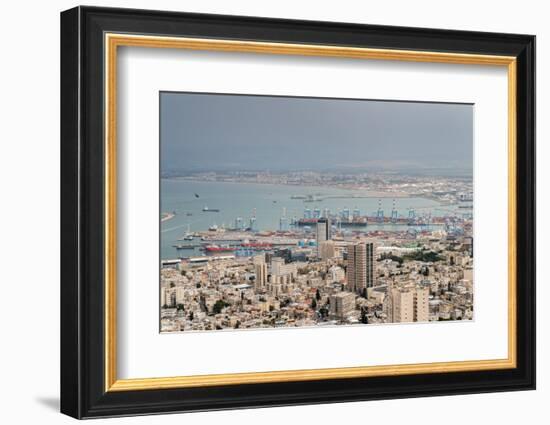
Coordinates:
(313, 304)
(317, 295)
(424, 256)
(218, 306)
(180, 307)
(390, 256)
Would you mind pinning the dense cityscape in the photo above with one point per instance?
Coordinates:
(283, 211)
(325, 266)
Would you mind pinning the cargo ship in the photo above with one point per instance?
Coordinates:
(183, 246)
(219, 248)
(257, 245)
(360, 222)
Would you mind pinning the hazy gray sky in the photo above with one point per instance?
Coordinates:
(241, 132)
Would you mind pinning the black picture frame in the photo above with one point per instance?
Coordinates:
(83, 392)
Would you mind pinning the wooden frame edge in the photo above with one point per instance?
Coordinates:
(307, 375)
(114, 40)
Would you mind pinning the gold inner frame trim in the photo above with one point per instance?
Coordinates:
(113, 41)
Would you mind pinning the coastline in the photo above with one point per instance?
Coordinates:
(166, 217)
(365, 193)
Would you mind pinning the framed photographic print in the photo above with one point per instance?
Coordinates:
(261, 212)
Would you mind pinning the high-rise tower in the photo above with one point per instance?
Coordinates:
(361, 269)
(322, 232)
(260, 270)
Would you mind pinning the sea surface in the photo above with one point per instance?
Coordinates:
(267, 203)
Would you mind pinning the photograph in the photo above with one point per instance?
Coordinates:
(285, 212)
(265, 210)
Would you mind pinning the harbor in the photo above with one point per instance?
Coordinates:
(237, 213)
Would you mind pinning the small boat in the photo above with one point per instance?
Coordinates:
(311, 198)
(206, 209)
(188, 235)
(197, 195)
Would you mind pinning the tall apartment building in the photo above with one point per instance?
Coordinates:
(361, 266)
(421, 304)
(277, 266)
(327, 250)
(341, 304)
(322, 229)
(281, 271)
(410, 305)
(171, 297)
(260, 270)
(403, 306)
